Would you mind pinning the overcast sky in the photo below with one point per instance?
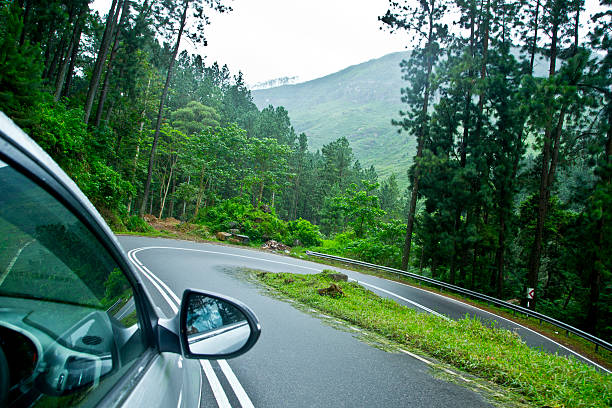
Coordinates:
(267, 39)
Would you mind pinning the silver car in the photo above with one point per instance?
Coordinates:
(77, 326)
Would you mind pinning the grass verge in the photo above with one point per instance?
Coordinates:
(494, 354)
(578, 344)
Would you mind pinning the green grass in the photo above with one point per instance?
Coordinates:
(494, 354)
(156, 234)
(578, 344)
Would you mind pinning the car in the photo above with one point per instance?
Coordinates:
(77, 325)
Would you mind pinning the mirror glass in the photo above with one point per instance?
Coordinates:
(214, 326)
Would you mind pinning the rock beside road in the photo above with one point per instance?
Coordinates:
(275, 246)
(338, 277)
(333, 291)
(223, 236)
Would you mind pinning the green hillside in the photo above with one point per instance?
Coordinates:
(357, 102)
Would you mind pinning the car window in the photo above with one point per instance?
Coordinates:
(69, 325)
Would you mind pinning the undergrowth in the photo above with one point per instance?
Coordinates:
(495, 354)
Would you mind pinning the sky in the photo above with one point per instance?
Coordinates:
(268, 39)
(309, 39)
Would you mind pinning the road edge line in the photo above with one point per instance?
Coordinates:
(241, 394)
(404, 299)
(506, 319)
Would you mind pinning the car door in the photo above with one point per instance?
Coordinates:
(76, 325)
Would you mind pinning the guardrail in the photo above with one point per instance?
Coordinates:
(569, 329)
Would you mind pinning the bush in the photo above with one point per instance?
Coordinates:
(383, 247)
(104, 186)
(261, 226)
(255, 223)
(137, 224)
(307, 233)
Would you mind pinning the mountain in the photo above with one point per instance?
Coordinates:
(357, 102)
(275, 82)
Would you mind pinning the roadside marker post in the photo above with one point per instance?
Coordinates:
(530, 295)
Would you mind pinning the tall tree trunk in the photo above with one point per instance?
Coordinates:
(420, 144)
(26, 17)
(161, 107)
(163, 201)
(58, 56)
(201, 188)
(597, 266)
(125, 11)
(68, 61)
(111, 20)
(184, 201)
(50, 36)
(171, 205)
(260, 194)
(501, 249)
(545, 180)
(576, 26)
(73, 57)
(534, 45)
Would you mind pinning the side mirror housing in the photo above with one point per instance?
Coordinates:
(214, 326)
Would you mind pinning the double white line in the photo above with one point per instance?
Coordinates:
(174, 303)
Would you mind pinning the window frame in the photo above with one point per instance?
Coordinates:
(24, 156)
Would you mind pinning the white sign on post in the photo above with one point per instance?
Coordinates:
(530, 293)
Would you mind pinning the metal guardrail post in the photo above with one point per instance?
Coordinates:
(470, 293)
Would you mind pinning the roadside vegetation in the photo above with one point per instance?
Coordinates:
(510, 186)
(494, 354)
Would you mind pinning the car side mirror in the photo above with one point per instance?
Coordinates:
(214, 326)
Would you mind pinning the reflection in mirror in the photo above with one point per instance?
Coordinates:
(214, 326)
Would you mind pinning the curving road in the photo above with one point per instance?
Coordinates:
(299, 361)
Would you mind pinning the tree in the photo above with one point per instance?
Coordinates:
(363, 210)
(198, 35)
(337, 161)
(20, 66)
(557, 96)
(424, 22)
(390, 197)
(111, 22)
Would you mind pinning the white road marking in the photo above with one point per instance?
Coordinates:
(241, 394)
(400, 297)
(159, 289)
(430, 363)
(215, 385)
(226, 254)
(417, 357)
(405, 300)
(12, 263)
(511, 321)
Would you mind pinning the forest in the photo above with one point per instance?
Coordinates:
(510, 187)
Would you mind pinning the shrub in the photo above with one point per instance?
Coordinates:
(137, 224)
(382, 247)
(255, 223)
(307, 233)
(104, 186)
(261, 226)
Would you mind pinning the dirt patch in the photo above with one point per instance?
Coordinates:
(182, 230)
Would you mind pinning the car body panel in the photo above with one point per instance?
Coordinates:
(155, 379)
(170, 381)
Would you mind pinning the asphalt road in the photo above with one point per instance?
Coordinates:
(299, 360)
